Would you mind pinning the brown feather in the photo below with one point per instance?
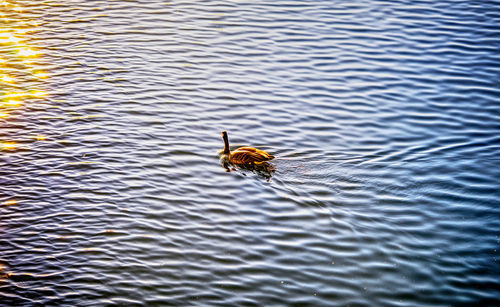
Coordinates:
(248, 155)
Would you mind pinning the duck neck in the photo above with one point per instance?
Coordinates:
(226, 143)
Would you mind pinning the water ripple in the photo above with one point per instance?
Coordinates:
(383, 117)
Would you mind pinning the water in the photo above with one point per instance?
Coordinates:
(383, 116)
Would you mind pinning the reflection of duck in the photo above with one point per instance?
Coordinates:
(264, 169)
(244, 155)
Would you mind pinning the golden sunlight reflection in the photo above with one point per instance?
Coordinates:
(11, 103)
(6, 38)
(14, 95)
(40, 74)
(10, 202)
(38, 93)
(27, 52)
(8, 146)
(21, 70)
(7, 79)
(3, 274)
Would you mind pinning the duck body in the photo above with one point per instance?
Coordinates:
(244, 155)
(249, 155)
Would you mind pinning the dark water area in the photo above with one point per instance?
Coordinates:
(384, 117)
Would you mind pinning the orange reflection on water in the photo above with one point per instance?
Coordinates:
(11, 103)
(16, 99)
(21, 73)
(14, 95)
(8, 146)
(40, 74)
(7, 38)
(18, 9)
(38, 93)
(7, 79)
(3, 275)
(10, 202)
(21, 58)
(27, 52)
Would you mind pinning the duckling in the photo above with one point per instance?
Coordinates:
(244, 155)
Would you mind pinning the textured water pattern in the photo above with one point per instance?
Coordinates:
(384, 117)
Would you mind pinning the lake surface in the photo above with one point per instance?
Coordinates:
(384, 117)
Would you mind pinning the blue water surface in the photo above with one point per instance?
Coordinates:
(384, 117)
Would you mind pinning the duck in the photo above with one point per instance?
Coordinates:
(244, 155)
